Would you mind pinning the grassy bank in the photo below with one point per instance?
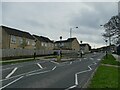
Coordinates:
(106, 76)
(110, 60)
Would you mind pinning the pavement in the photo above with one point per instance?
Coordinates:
(117, 57)
(50, 74)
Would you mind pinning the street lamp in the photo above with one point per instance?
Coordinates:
(81, 48)
(106, 47)
(71, 31)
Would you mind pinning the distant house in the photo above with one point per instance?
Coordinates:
(69, 44)
(14, 38)
(85, 48)
(43, 43)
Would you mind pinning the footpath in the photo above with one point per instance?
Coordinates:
(117, 57)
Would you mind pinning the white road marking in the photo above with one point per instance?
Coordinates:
(12, 82)
(98, 59)
(80, 60)
(38, 73)
(54, 68)
(85, 58)
(91, 58)
(76, 76)
(39, 66)
(70, 62)
(54, 62)
(71, 87)
(21, 74)
(11, 73)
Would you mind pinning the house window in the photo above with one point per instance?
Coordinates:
(45, 44)
(13, 39)
(42, 44)
(28, 42)
(20, 40)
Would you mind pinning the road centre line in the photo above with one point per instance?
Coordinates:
(76, 76)
(42, 72)
(11, 73)
(12, 82)
(39, 66)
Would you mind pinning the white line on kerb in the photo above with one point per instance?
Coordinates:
(11, 73)
(54, 62)
(11, 82)
(39, 66)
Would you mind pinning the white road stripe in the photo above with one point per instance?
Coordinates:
(12, 82)
(70, 62)
(54, 68)
(11, 73)
(38, 73)
(54, 62)
(98, 59)
(39, 66)
(71, 87)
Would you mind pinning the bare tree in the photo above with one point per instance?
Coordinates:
(24, 43)
(112, 29)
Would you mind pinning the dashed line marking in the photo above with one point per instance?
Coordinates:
(11, 73)
(54, 68)
(39, 66)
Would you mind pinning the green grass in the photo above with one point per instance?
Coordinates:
(110, 60)
(105, 77)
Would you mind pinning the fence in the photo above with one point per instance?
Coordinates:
(28, 52)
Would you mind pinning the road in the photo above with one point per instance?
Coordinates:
(50, 74)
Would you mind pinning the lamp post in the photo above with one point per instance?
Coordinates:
(106, 47)
(59, 52)
(71, 31)
(81, 48)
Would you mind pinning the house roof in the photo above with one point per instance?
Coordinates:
(43, 39)
(83, 45)
(64, 41)
(16, 32)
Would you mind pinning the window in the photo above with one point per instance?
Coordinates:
(13, 39)
(20, 40)
(28, 42)
(42, 44)
(45, 44)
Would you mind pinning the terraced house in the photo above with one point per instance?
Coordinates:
(43, 43)
(69, 44)
(14, 38)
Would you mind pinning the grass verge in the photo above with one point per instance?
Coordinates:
(105, 77)
(110, 60)
(16, 61)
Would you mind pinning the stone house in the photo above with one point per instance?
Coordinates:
(69, 44)
(85, 48)
(43, 43)
(14, 39)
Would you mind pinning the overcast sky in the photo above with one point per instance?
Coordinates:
(54, 19)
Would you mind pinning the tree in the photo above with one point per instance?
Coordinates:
(112, 29)
(23, 43)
